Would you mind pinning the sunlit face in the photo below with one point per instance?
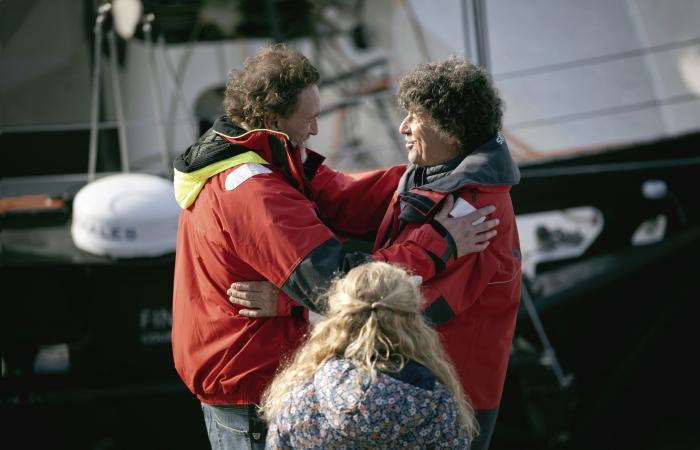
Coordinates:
(301, 123)
(425, 146)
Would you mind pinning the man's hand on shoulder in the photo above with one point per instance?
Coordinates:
(471, 232)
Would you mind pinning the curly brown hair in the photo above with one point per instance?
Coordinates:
(268, 86)
(457, 97)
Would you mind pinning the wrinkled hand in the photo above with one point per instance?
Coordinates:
(258, 298)
(468, 237)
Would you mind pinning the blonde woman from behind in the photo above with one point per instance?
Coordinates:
(372, 375)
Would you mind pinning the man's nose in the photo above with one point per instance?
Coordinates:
(314, 128)
(403, 127)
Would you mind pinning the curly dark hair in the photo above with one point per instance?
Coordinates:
(457, 97)
(268, 86)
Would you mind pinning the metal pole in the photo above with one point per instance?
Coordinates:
(549, 357)
(482, 41)
(155, 92)
(116, 91)
(273, 17)
(475, 31)
(95, 100)
(466, 28)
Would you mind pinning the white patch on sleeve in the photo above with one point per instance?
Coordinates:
(242, 173)
(462, 208)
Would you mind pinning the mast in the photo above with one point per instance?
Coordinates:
(475, 28)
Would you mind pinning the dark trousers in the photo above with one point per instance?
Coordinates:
(487, 422)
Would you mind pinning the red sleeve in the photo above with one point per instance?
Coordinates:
(355, 203)
(272, 225)
(286, 306)
(423, 252)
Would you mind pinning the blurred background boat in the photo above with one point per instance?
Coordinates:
(602, 115)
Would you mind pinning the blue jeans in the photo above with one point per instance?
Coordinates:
(234, 427)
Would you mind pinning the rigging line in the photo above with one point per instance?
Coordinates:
(356, 73)
(80, 178)
(359, 71)
(591, 169)
(95, 95)
(601, 112)
(383, 114)
(330, 59)
(354, 68)
(176, 78)
(342, 123)
(337, 68)
(81, 126)
(548, 356)
(336, 58)
(355, 99)
(118, 106)
(596, 59)
(417, 29)
(156, 100)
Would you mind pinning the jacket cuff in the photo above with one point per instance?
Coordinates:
(288, 307)
(451, 251)
(439, 247)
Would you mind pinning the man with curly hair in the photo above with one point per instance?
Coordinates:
(451, 131)
(252, 210)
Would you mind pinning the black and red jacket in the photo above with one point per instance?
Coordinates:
(473, 302)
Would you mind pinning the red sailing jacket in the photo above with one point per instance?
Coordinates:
(474, 302)
(250, 213)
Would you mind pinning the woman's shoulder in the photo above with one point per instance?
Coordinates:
(340, 375)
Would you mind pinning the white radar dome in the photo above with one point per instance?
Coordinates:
(126, 216)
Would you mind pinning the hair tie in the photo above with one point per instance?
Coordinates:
(374, 306)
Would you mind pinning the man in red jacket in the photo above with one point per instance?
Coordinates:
(455, 151)
(452, 136)
(252, 210)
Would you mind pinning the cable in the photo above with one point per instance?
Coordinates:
(417, 29)
(548, 356)
(79, 126)
(596, 59)
(177, 75)
(118, 107)
(95, 98)
(592, 169)
(602, 112)
(156, 100)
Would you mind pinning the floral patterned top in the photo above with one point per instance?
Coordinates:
(342, 408)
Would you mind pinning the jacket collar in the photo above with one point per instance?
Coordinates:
(488, 165)
(226, 145)
(226, 139)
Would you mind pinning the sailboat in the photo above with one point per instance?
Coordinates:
(602, 116)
